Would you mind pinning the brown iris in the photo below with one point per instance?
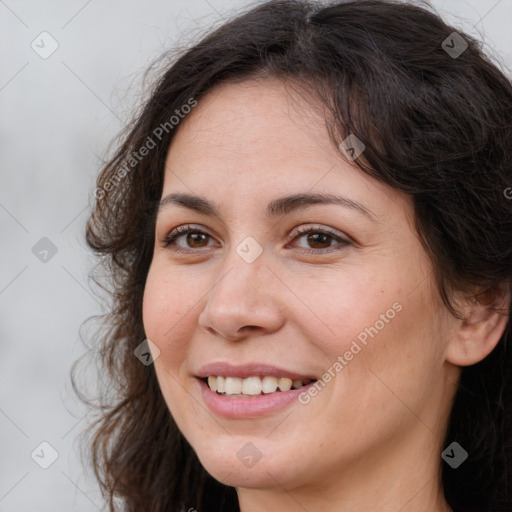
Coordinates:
(197, 237)
(318, 238)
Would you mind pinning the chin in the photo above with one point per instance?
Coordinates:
(238, 463)
(259, 477)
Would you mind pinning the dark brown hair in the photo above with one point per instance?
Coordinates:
(436, 126)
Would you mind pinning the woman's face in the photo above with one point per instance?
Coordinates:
(248, 292)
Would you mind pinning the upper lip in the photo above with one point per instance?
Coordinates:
(249, 370)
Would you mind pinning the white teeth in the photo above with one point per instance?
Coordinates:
(284, 384)
(233, 386)
(212, 382)
(252, 386)
(269, 384)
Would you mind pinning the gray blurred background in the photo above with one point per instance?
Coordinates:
(69, 76)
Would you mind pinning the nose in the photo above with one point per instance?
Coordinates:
(244, 302)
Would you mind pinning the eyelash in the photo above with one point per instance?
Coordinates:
(299, 232)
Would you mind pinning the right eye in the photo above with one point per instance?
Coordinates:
(194, 239)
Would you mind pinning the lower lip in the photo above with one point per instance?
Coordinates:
(237, 408)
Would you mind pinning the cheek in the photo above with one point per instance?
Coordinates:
(167, 312)
(378, 326)
(168, 323)
(355, 305)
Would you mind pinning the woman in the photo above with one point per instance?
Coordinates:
(310, 242)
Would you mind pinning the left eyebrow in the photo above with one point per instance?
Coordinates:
(287, 204)
(277, 207)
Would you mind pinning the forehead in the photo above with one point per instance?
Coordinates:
(263, 117)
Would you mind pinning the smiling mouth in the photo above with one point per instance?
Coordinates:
(236, 387)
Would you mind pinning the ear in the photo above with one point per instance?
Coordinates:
(484, 319)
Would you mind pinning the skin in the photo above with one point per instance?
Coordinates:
(372, 437)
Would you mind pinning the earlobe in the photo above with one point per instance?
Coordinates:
(479, 331)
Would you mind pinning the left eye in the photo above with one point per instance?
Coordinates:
(320, 239)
